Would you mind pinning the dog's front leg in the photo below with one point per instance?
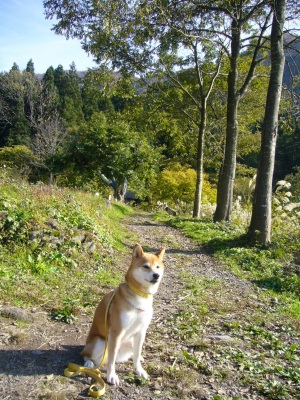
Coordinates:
(114, 342)
(137, 354)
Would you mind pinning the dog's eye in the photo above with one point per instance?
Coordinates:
(146, 266)
(157, 267)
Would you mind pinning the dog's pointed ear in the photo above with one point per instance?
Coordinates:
(138, 251)
(161, 253)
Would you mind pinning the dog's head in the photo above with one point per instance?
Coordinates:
(146, 270)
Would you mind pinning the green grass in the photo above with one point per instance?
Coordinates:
(263, 352)
(54, 244)
(271, 269)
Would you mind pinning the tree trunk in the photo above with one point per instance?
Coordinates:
(227, 171)
(200, 161)
(260, 226)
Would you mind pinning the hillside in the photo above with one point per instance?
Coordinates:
(48, 235)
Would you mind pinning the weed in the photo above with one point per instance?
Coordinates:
(65, 314)
(135, 379)
(193, 361)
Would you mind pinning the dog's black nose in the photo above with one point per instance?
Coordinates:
(155, 276)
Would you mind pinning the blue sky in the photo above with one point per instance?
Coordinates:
(25, 34)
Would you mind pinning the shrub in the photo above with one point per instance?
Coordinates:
(20, 157)
(177, 184)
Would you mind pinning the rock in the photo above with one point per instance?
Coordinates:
(35, 235)
(52, 223)
(55, 241)
(15, 313)
(171, 211)
(3, 215)
(220, 338)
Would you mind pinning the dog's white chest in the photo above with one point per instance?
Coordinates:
(135, 321)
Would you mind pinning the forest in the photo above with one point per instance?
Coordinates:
(182, 120)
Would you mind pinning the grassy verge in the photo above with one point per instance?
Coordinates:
(271, 269)
(229, 340)
(56, 246)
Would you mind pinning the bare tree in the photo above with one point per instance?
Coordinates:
(48, 140)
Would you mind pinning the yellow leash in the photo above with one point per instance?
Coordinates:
(95, 373)
(75, 370)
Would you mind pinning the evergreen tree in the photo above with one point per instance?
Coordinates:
(14, 126)
(70, 101)
(50, 92)
(30, 67)
(15, 67)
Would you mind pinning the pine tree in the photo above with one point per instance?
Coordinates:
(30, 67)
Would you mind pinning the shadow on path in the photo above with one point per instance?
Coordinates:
(38, 362)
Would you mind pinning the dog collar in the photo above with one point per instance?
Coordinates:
(136, 290)
(132, 305)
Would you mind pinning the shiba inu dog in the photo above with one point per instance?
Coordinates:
(128, 316)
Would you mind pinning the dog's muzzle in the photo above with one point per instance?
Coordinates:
(155, 278)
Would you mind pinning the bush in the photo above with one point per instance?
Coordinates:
(177, 184)
(20, 157)
(294, 179)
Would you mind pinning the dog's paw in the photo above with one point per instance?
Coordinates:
(113, 379)
(89, 364)
(141, 372)
(142, 359)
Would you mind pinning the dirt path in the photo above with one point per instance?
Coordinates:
(34, 355)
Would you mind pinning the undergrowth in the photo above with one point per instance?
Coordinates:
(57, 246)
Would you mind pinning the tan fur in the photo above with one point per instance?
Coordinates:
(129, 315)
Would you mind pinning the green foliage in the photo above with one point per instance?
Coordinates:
(134, 379)
(65, 314)
(50, 239)
(176, 183)
(294, 179)
(244, 184)
(287, 147)
(18, 156)
(70, 100)
(107, 144)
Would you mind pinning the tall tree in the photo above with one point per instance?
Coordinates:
(187, 92)
(140, 36)
(109, 145)
(67, 84)
(241, 20)
(15, 67)
(260, 226)
(30, 67)
(50, 94)
(14, 124)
